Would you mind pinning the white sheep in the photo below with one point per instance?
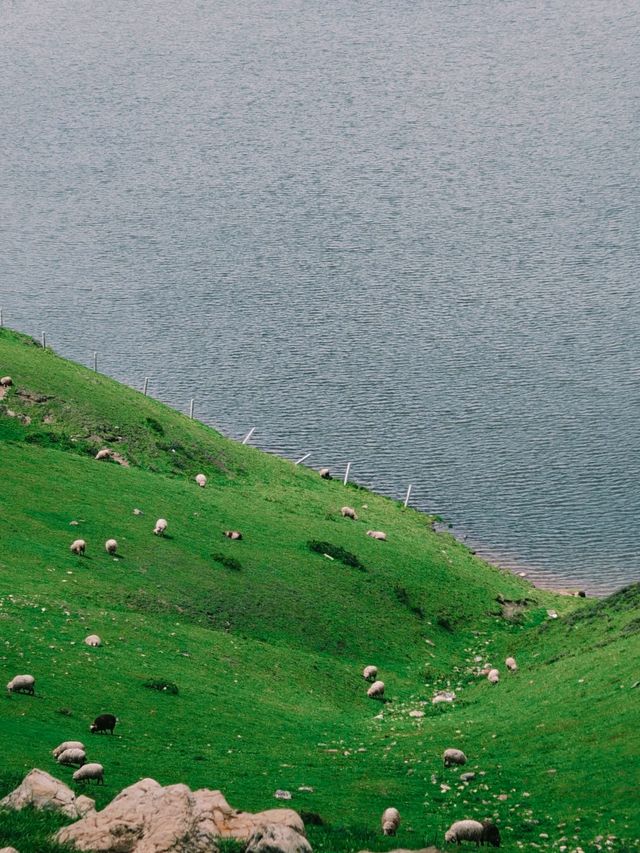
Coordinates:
(88, 772)
(452, 757)
(465, 830)
(369, 673)
(325, 473)
(376, 691)
(377, 534)
(161, 526)
(494, 676)
(233, 534)
(105, 453)
(22, 684)
(93, 640)
(6, 381)
(111, 546)
(349, 512)
(511, 664)
(68, 744)
(72, 756)
(390, 821)
(201, 480)
(78, 546)
(443, 696)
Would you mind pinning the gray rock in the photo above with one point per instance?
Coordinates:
(272, 838)
(467, 777)
(42, 791)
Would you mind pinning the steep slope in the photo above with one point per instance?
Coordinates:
(265, 638)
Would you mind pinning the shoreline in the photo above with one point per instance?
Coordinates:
(539, 578)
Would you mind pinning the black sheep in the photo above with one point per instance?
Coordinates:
(103, 723)
(490, 834)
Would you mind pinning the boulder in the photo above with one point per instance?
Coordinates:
(147, 818)
(274, 838)
(8, 850)
(421, 850)
(42, 791)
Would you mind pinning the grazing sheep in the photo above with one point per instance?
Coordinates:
(201, 480)
(349, 512)
(161, 526)
(90, 771)
(490, 833)
(369, 673)
(377, 534)
(451, 757)
(78, 546)
(111, 546)
(325, 473)
(465, 830)
(93, 640)
(390, 821)
(105, 453)
(376, 691)
(103, 723)
(72, 756)
(22, 684)
(511, 664)
(6, 381)
(494, 676)
(233, 534)
(68, 744)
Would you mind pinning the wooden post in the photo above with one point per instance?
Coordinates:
(191, 409)
(406, 500)
(346, 473)
(95, 362)
(0, 318)
(44, 341)
(146, 385)
(302, 458)
(248, 435)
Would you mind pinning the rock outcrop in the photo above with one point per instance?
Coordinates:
(422, 850)
(42, 791)
(277, 839)
(147, 818)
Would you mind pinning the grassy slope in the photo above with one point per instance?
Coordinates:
(268, 658)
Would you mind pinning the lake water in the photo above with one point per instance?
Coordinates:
(399, 234)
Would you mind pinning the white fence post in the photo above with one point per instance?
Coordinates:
(44, 341)
(248, 435)
(346, 474)
(406, 500)
(95, 362)
(191, 409)
(302, 458)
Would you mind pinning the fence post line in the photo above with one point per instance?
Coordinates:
(44, 341)
(1, 323)
(95, 362)
(406, 500)
(248, 435)
(302, 458)
(346, 474)
(146, 385)
(191, 409)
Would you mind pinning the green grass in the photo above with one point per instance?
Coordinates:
(265, 638)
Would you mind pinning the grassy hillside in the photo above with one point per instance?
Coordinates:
(266, 638)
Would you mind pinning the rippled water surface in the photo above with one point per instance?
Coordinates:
(399, 234)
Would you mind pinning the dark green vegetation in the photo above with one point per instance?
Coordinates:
(266, 638)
